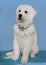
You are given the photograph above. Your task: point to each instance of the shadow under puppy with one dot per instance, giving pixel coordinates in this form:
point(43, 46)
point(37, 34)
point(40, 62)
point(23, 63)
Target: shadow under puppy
point(25, 37)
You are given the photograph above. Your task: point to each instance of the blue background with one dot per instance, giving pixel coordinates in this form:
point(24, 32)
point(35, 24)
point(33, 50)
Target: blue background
point(7, 20)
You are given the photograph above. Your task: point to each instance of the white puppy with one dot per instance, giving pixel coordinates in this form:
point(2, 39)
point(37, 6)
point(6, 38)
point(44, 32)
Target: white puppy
point(25, 38)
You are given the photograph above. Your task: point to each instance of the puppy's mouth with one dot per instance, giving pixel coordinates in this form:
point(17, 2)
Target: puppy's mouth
point(19, 18)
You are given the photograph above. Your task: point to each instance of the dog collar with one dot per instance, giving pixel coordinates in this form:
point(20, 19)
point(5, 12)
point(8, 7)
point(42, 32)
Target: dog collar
point(23, 28)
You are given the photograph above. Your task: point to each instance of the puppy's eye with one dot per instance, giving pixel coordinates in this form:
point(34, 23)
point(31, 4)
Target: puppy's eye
point(19, 10)
point(26, 11)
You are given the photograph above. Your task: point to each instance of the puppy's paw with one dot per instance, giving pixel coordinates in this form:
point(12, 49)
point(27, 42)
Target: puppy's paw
point(7, 57)
point(32, 55)
point(15, 57)
point(24, 61)
point(9, 54)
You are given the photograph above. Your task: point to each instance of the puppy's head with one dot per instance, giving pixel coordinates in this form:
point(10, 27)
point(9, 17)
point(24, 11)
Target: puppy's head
point(25, 14)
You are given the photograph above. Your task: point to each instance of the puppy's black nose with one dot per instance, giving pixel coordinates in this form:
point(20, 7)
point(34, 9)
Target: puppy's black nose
point(20, 15)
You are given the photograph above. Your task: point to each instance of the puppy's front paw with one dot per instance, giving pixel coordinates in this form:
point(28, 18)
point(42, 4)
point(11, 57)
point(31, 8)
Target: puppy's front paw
point(24, 61)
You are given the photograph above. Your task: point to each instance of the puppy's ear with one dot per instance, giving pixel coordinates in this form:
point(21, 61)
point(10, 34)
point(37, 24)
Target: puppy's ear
point(33, 12)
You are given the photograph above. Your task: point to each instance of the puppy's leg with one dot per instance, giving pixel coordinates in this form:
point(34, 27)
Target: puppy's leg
point(34, 51)
point(35, 48)
point(26, 53)
point(16, 50)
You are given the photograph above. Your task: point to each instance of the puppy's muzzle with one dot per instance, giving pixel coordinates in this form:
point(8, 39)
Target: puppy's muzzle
point(20, 16)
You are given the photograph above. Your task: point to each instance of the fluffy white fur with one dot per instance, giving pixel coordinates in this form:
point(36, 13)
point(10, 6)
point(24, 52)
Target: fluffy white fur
point(24, 42)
